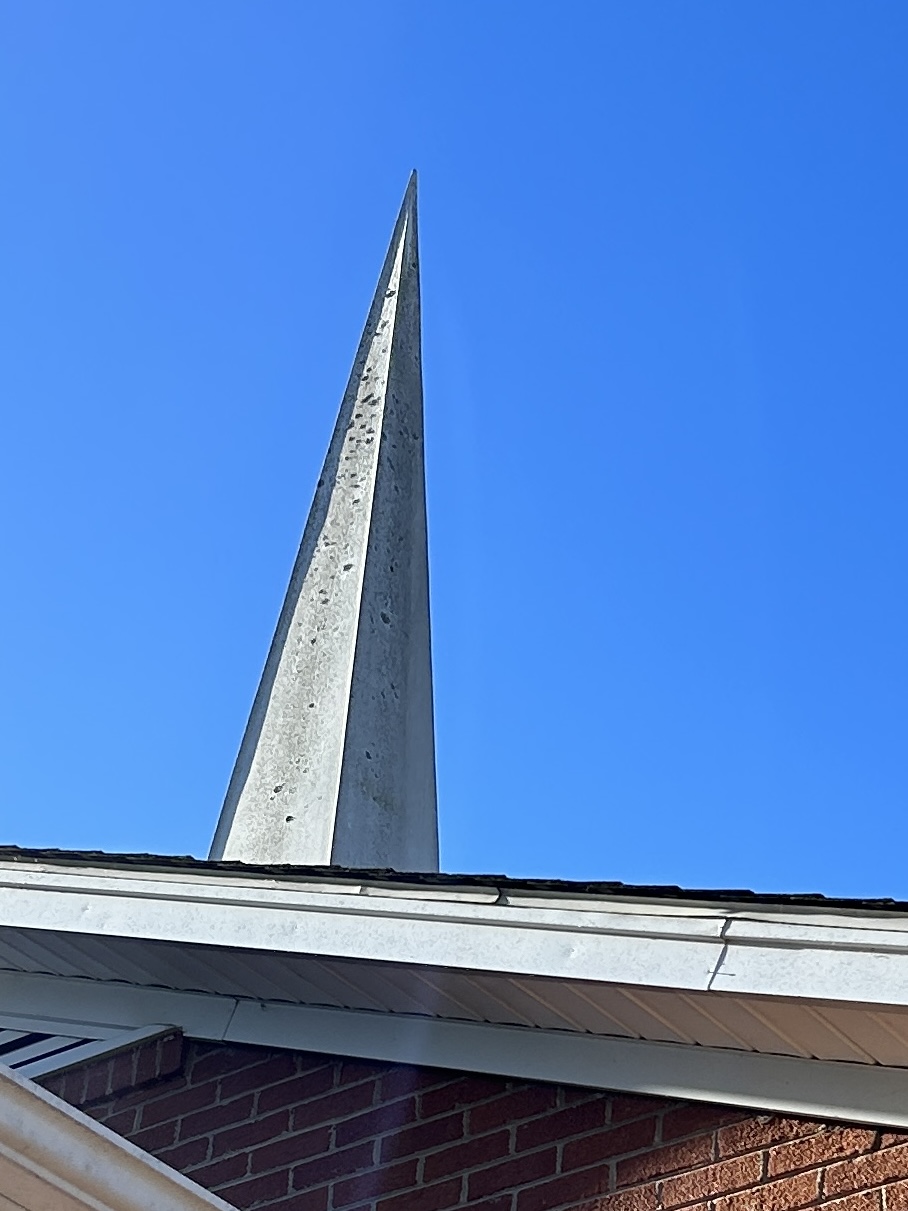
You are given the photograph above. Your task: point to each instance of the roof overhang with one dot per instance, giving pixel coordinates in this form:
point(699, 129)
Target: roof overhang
point(52, 1155)
point(799, 1009)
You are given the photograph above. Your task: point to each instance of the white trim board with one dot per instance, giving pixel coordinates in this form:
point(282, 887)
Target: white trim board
point(92, 1049)
point(51, 1045)
point(863, 1093)
point(52, 1155)
point(862, 959)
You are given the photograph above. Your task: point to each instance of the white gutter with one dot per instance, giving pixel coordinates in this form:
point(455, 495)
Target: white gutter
point(54, 1156)
point(709, 948)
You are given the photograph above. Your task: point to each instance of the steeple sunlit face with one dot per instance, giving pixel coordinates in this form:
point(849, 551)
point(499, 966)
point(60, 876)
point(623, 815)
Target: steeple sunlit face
point(337, 765)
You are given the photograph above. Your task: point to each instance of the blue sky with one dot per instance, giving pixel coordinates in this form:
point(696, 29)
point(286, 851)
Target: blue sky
point(664, 263)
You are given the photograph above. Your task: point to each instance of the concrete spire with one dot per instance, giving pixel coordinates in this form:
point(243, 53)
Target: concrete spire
point(337, 764)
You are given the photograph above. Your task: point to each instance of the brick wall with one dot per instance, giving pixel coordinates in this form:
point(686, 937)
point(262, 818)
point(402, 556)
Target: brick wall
point(305, 1132)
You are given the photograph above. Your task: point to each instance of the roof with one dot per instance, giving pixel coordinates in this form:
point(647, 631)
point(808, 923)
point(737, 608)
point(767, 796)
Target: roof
point(416, 879)
point(789, 1004)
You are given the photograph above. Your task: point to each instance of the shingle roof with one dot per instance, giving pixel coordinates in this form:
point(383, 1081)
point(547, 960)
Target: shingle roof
point(565, 887)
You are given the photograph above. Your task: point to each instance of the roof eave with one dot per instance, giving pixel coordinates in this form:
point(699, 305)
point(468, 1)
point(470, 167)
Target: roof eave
point(675, 954)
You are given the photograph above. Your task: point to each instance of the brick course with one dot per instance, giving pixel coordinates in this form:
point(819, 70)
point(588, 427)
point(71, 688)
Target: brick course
point(287, 1131)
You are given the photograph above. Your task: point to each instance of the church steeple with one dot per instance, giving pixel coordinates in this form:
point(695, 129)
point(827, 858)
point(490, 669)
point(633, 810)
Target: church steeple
point(337, 764)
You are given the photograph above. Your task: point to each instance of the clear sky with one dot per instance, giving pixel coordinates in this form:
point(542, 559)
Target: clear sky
point(664, 264)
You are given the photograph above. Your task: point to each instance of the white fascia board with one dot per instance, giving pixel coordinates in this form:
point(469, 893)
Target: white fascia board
point(861, 1093)
point(28, 1023)
point(472, 936)
point(52, 1155)
point(198, 1015)
point(859, 959)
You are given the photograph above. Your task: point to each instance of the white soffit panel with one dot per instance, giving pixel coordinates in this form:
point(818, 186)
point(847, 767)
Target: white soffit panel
point(821, 1089)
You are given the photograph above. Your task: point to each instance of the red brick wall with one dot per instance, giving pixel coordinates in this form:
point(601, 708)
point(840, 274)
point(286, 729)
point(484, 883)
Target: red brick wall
point(307, 1132)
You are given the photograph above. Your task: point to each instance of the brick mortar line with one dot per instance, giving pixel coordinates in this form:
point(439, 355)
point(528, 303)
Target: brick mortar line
point(343, 1119)
point(337, 1086)
point(420, 1155)
point(390, 1132)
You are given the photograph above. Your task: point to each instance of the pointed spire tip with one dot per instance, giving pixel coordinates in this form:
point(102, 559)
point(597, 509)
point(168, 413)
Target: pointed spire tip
point(408, 205)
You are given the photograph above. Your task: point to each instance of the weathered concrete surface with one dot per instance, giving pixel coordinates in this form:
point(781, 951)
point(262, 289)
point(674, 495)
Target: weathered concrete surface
point(337, 764)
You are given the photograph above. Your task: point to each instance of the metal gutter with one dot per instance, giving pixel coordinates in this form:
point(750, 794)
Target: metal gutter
point(843, 959)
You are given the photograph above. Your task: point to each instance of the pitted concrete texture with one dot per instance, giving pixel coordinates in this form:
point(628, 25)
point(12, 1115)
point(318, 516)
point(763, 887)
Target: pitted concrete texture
point(337, 764)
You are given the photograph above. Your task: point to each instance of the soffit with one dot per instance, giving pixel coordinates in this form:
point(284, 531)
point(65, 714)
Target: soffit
point(812, 1029)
